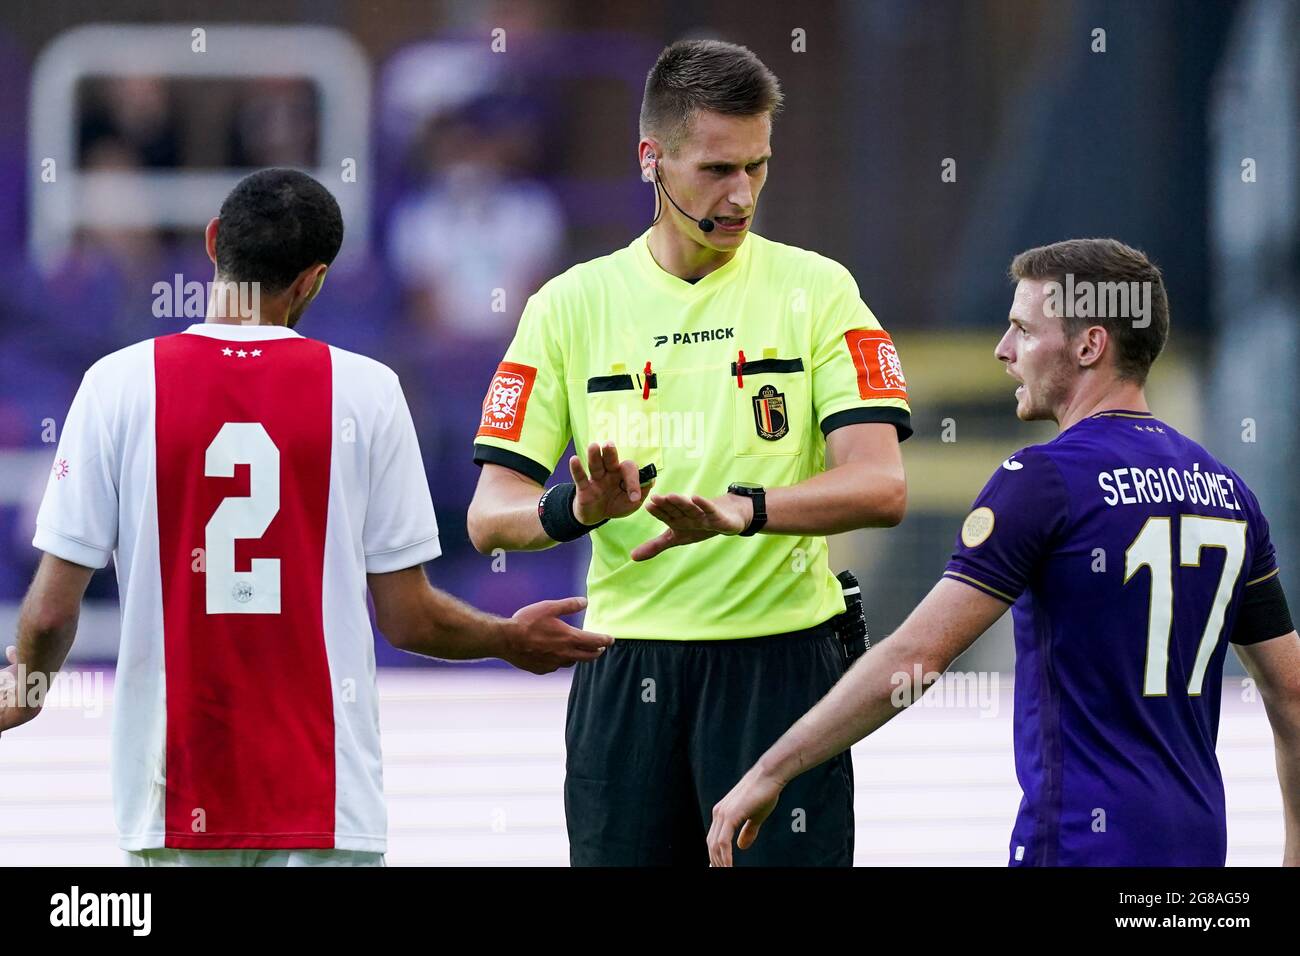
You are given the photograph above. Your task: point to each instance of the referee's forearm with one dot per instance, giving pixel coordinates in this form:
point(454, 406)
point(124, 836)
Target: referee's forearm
point(844, 498)
point(509, 531)
point(497, 523)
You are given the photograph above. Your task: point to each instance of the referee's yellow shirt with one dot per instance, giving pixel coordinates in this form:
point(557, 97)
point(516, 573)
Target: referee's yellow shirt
point(814, 359)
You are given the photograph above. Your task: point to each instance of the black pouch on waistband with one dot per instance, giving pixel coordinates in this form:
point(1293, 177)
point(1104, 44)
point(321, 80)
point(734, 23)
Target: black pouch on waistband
point(851, 626)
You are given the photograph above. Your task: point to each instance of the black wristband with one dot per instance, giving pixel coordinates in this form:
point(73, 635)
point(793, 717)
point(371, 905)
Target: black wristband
point(555, 508)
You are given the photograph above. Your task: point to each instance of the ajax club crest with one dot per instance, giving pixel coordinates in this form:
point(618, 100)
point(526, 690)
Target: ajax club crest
point(769, 413)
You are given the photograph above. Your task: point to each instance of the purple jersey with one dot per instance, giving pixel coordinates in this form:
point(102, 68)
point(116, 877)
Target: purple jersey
point(1124, 549)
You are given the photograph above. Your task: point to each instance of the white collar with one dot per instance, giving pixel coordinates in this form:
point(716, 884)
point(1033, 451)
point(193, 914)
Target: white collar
point(242, 333)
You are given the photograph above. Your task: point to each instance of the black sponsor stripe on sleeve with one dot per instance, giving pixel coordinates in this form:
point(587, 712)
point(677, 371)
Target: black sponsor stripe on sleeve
point(492, 455)
point(900, 418)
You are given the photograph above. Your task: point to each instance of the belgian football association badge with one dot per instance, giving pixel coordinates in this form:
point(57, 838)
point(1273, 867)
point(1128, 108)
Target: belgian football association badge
point(769, 413)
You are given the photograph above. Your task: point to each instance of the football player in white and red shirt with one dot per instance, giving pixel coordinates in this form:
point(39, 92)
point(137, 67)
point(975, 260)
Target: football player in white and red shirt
point(250, 484)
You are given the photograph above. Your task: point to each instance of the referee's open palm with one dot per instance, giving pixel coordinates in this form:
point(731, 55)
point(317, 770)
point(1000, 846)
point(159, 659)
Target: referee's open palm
point(691, 518)
point(608, 488)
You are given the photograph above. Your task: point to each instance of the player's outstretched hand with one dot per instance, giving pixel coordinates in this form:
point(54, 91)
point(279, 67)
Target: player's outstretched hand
point(609, 488)
point(692, 518)
point(749, 803)
point(11, 713)
point(540, 642)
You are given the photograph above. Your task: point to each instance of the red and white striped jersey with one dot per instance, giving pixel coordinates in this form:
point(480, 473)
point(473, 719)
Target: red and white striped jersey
point(245, 479)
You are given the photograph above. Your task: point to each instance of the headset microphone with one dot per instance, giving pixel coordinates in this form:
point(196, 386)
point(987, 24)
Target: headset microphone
point(705, 225)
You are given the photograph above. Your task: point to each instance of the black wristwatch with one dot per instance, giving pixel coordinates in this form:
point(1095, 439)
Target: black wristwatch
point(758, 496)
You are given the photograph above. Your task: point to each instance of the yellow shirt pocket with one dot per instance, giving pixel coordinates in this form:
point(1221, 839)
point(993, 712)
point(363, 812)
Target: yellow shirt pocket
point(623, 410)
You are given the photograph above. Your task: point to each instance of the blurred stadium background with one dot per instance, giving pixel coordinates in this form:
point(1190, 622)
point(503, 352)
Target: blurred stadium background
point(479, 148)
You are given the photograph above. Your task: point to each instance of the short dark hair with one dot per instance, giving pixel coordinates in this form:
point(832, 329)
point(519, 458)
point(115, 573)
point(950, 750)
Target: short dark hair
point(693, 75)
point(274, 224)
point(1105, 261)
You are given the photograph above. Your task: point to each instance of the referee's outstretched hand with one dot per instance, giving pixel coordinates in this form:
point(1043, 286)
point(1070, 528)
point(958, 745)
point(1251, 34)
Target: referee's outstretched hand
point(541, 642)
point(608, 488)
point(749, 803)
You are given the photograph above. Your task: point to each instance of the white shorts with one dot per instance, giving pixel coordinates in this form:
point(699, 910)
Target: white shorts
point(174, 857)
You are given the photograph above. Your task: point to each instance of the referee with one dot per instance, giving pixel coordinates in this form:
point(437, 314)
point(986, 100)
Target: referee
point(770, 403)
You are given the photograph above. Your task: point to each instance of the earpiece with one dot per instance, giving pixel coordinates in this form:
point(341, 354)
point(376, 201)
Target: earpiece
point(704, 225)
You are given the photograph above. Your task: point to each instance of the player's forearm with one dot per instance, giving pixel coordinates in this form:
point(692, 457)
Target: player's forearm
point(44, 639)
point(856, 494)
point(1288, 774)
point(1274, 665)
point(878, 687)
point(449, 629)
point(863, 701)
point(1284, 715)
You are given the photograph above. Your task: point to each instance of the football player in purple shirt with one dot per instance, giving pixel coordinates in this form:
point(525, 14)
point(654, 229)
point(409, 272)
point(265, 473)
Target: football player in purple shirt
point(1127, 553)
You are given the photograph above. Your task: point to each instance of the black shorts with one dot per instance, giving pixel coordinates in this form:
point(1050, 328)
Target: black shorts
point(659, 731)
